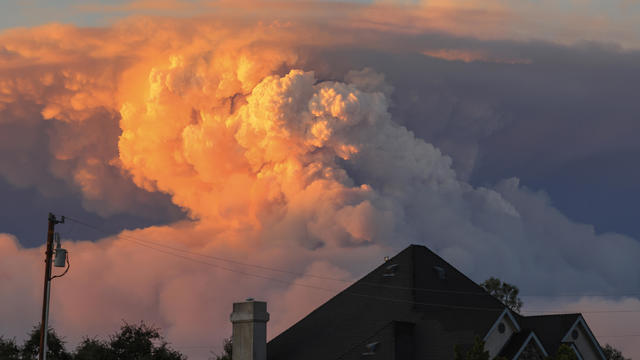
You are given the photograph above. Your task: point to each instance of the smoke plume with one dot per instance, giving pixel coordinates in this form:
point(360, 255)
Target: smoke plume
point(273, 163)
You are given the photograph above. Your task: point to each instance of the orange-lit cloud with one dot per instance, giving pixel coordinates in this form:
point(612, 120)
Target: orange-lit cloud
point(471, 55)
point(274, 166)
point(194, 110)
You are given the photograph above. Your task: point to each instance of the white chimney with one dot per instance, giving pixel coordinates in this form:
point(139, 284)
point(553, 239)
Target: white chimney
point(249, 330)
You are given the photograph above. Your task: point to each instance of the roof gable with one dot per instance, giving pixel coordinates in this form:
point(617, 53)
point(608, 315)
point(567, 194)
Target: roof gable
point(506, 313)
point(518, 342)
point(500, 333)
point(415, 286)
point(580, 322)
point(554, 330)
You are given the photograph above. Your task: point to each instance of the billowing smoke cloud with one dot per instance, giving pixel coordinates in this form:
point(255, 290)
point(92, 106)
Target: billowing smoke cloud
point(274, 167)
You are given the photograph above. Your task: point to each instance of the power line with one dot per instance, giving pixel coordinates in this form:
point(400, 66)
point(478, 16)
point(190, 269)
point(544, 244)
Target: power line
point(618, 336)
point(213, 347)
point(154, 246)
point(262, 267)
point(310, 286)
point(211, 256)
point(230, 269)
point(558, 312)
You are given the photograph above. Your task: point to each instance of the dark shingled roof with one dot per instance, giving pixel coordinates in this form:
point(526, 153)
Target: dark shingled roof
point(550, 329)
point(514, 344)
point(413, 303)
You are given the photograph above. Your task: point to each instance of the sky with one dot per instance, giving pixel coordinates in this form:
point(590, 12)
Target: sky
point(315, 138)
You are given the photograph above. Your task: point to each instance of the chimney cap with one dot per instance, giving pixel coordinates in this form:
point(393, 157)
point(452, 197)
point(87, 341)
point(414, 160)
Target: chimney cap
point(250, 311)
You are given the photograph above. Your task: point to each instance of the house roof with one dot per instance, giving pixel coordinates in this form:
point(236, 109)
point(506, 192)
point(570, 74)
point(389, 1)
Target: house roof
point(550, 329)
point(519, 341)
point(514, 344)
point(416, 286)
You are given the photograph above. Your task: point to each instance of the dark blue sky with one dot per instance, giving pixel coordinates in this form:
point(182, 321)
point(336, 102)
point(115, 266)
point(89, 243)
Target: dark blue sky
point(565, 124)
point(24, 213)
point(546, 92)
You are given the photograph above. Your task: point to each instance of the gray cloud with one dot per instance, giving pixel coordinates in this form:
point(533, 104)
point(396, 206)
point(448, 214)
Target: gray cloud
point(556, 120)
point(420, 149)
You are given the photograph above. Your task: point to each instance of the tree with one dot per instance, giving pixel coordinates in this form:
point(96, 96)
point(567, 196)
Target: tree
point(9, 350)
point(476, 352)
point(505, 292)
point(131, 342)
point(138, 342)
point(93, 349)
point(227, 348)
point(565, 352)
point(611, 353)
point(55, 346)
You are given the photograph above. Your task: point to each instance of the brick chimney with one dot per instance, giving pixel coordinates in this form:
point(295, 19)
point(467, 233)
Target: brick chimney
point(249, 336)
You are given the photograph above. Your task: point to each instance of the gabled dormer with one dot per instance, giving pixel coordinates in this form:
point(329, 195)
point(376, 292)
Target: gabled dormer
point(569, 329)
point(502, 330)
point(581, 339)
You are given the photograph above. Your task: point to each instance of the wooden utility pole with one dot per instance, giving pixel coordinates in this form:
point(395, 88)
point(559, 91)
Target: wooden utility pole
point(47, 286)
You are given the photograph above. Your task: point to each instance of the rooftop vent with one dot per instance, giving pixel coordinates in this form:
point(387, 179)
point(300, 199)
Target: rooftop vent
point(370, 349)
point(390, 270)
point(442, 275)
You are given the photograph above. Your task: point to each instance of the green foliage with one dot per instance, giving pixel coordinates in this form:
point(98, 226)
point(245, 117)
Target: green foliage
point(9, 350)
point(131, 342)
point(505, 292)
point(93, 349)
point(611, 353)
point(565, 352)
point(55, 346)
point(138, 342)
point(228, 351)
point(134, 342)
point(475, 352)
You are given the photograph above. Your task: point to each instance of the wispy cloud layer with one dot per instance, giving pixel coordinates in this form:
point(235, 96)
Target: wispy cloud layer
point(565, 21)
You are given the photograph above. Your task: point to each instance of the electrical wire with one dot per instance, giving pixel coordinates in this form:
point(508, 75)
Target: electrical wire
point(298, 274)
point(618, 336)
point(211, 256)
point(146, 243)
point(158, 247)
point(155, 246)
point(230, 269)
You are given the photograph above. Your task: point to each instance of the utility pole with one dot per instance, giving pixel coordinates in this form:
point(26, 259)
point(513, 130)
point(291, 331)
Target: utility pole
point(47, 286)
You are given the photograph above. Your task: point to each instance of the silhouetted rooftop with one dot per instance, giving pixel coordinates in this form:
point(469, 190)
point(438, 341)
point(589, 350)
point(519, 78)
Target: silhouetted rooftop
point(414, 287)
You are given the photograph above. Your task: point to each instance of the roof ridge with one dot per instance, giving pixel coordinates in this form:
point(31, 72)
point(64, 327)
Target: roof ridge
point(551, 315)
